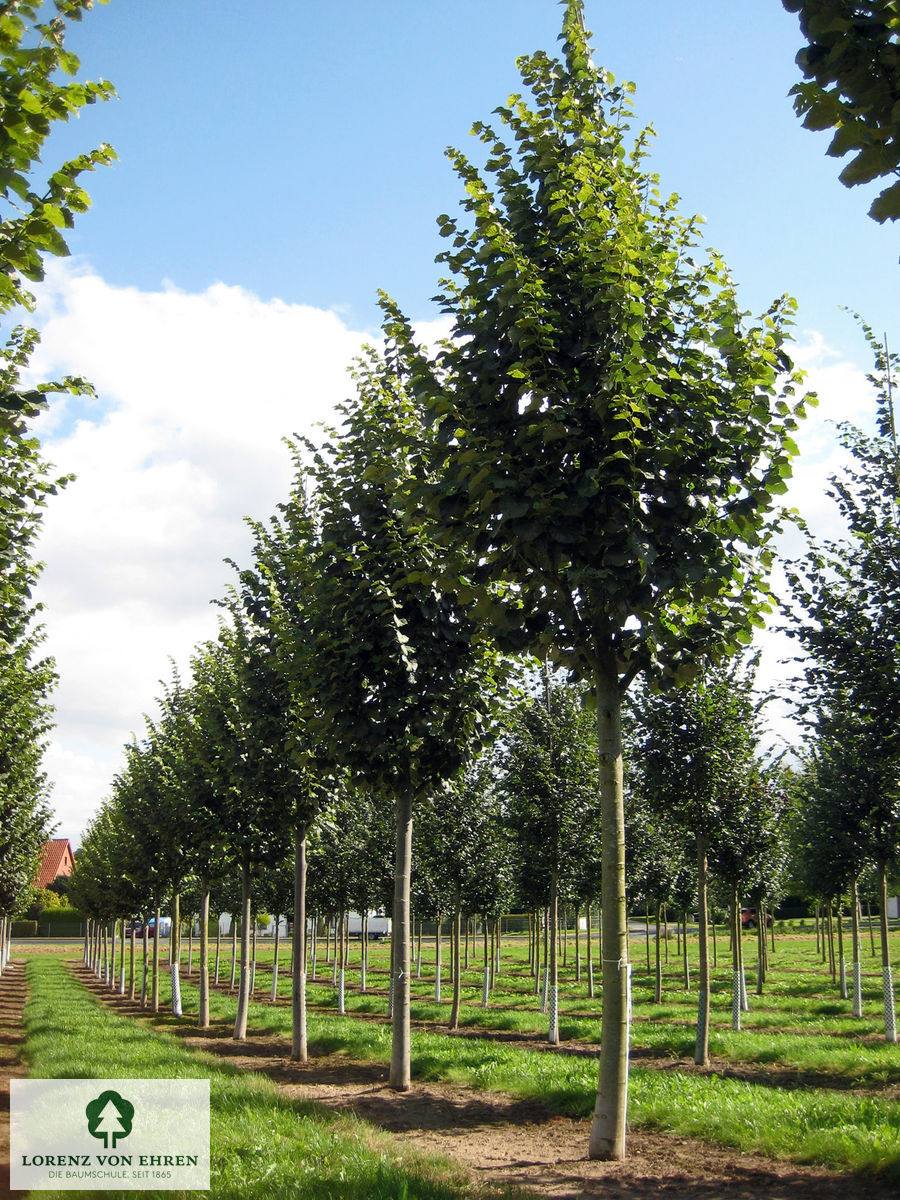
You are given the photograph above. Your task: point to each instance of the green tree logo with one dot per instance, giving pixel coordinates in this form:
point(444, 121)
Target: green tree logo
point(109, 1116)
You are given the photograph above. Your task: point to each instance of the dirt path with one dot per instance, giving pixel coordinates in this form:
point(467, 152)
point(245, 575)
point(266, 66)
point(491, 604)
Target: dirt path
point(506, 1140)
point(12, 1036)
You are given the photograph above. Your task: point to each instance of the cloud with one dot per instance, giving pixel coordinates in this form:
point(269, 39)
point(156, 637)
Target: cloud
point(194, 394)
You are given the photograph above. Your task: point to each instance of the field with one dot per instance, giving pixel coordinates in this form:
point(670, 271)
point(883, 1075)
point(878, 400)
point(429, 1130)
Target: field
point(804, 1101)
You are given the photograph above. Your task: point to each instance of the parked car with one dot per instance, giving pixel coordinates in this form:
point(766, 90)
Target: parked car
point(165, 927)
point(749, 919)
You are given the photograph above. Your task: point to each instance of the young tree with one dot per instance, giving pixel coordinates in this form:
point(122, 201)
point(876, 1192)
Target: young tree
point(390, 678)
point(694, 754)
point(33, 213)
point(611, 435)
point(847, 619)
point(547, 760)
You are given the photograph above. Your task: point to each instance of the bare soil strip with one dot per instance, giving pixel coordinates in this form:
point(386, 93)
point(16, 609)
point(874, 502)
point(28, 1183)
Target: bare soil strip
point(13, 993)
point(505, 1140)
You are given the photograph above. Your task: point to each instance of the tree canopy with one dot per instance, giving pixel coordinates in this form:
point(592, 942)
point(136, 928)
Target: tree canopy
point(851, 67)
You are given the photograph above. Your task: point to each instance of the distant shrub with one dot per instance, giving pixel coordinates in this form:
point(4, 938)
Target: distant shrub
point(24, 929)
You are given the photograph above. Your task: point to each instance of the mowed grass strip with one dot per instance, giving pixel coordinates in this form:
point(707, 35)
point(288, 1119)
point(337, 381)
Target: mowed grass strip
point(836, 1128)
point(262, 1144)
point(831, 1049)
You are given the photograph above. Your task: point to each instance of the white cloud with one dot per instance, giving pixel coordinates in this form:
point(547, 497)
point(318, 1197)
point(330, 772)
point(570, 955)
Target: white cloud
point(195, 393)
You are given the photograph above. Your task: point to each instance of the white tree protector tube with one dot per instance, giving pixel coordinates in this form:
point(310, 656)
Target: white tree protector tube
point(890, 1016)
point(553, 1036)
point(176, 991)
point(857, 989)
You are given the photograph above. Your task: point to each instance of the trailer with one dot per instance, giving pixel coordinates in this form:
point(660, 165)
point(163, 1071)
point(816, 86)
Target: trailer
point(378, 926)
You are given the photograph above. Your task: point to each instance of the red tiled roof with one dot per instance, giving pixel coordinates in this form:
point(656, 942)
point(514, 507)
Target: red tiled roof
point(56, 860)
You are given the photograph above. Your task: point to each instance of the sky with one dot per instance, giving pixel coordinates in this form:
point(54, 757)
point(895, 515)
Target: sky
point(277, 166)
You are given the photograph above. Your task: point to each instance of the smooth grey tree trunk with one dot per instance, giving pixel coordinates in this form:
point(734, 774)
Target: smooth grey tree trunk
point(701, 1051)
point(455, 963)
point(203, 1010)
point(857, 964)
point(299, 1050)
point(607, 1139)
point(887, 979)
point(154, 1004)
point(400, 960)
point(243, 1002)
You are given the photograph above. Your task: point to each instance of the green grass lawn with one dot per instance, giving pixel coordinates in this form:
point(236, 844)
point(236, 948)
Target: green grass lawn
point(802, 1080)
point(261, 1143)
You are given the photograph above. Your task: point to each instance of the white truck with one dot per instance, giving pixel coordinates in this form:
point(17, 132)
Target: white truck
point(378, 926)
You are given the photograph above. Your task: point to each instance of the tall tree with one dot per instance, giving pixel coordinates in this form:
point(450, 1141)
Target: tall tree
point(391, 679)
point(34, 211)
point(611, 435)
point(694, 753)
point(847, 618)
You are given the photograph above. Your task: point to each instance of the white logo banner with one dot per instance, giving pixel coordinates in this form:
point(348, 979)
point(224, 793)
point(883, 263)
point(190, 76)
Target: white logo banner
point(109, 1133)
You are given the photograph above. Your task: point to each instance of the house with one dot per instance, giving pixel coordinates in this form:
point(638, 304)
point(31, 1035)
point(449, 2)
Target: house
point(56, 859)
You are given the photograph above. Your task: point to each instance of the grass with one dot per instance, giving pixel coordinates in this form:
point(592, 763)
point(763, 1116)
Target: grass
point(798, 1056)
point(835, 1128)
point(800, 1107)
point(261, 1143)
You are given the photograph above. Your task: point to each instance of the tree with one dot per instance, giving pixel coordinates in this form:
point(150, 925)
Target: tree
point(391, 681)
point(547, 763)
point(611, 435)
point(846, 617)
point(694, 757)
point(33, 212)
point(852, 71)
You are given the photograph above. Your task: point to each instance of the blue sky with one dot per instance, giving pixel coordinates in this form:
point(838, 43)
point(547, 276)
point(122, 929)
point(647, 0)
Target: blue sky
point(279, 164)
point(298, 150)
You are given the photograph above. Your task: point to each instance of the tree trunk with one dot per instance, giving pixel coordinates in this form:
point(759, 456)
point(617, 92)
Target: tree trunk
point(122, 958)
point(400, 1051)
point(486, 978)
point(131, 950)
point(657, 991)
point(553, 990)
point(842, 964)
point(274, 994)
point(234, 953)
point(577, 944)
point(736, 962)
point(154, 1004)
point(590, 954)
point(203, 1011)
point(457, 982)
point(145, 965)
point(243, 1002)
point(299, 1050)
point(829, 925)
point(857, 964)
point(437, 957)
point(610, 1111)
point(701, 1051)
point(887, 979)
point(686, 963)
point(175, 955)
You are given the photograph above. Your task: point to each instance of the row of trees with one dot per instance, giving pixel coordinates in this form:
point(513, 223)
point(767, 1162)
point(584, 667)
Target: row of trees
point(35, 210)
point(587, 470)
